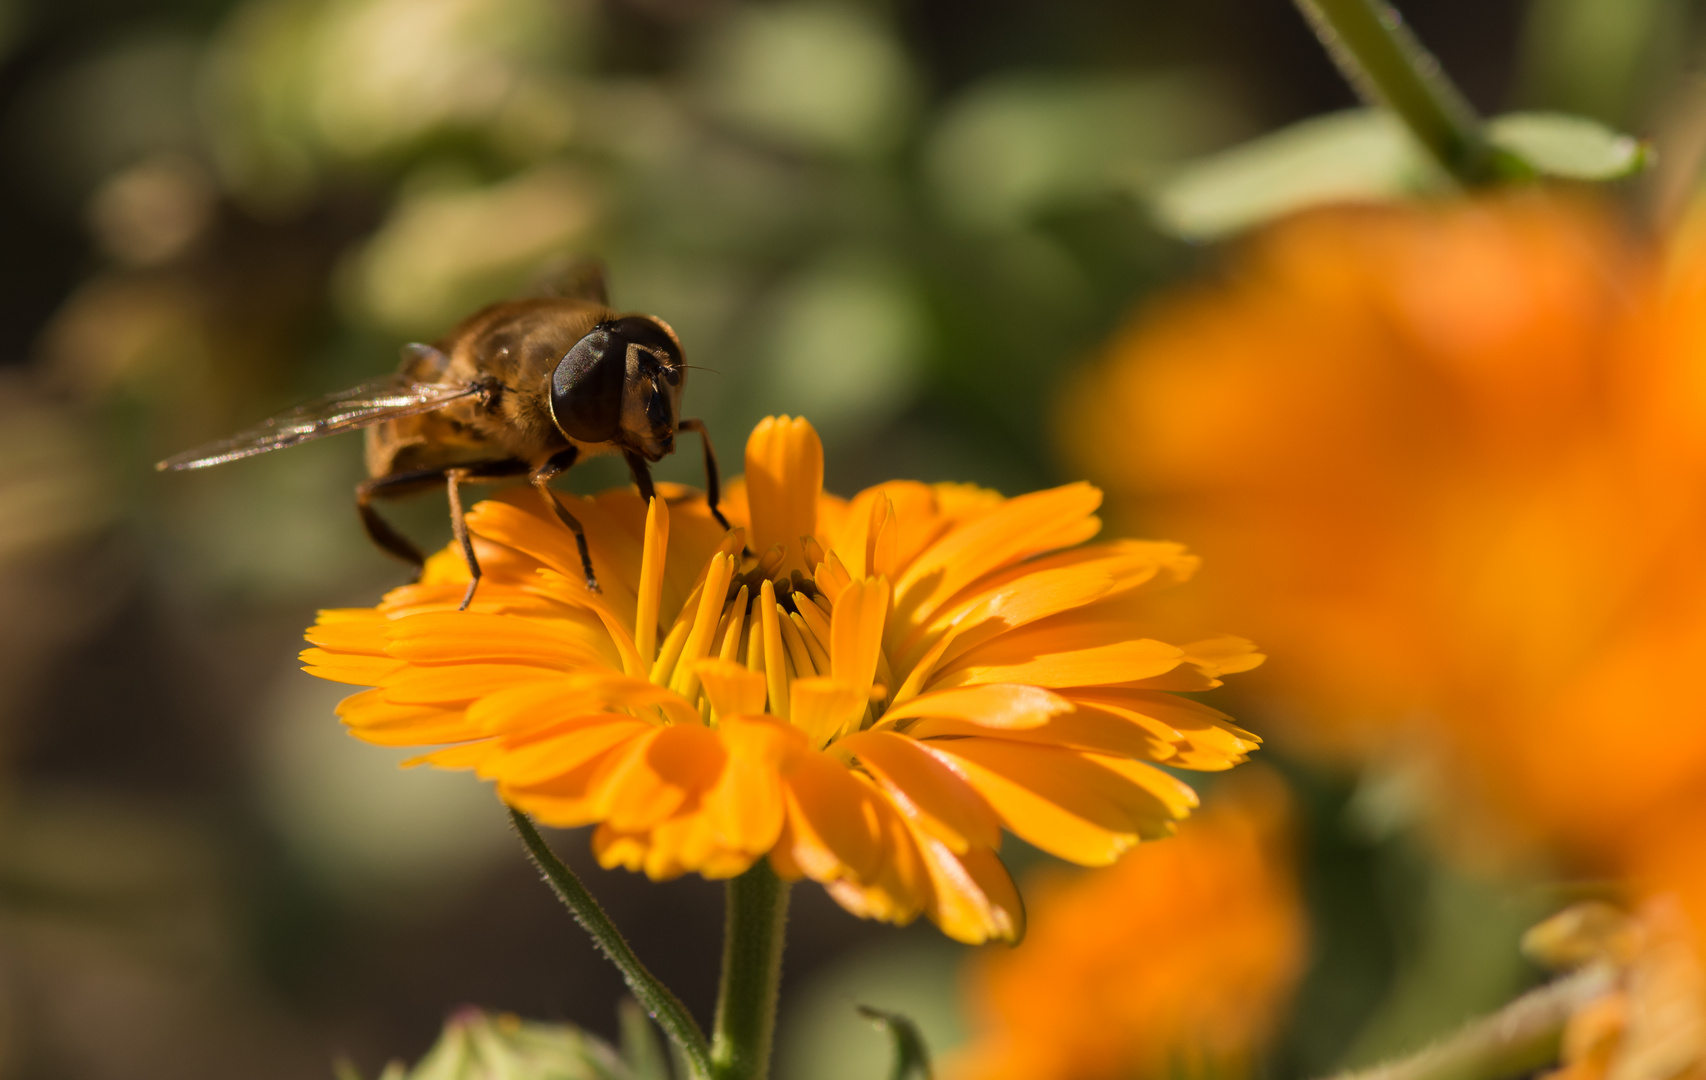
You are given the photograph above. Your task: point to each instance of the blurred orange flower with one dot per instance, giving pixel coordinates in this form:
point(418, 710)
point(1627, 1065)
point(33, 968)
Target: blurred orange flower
point(1649, 1022)
point(1450, 462)
point(868, 702)
point(1175, 963)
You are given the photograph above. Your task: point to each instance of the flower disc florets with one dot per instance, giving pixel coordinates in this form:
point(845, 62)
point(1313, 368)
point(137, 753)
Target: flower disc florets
point(864, 691)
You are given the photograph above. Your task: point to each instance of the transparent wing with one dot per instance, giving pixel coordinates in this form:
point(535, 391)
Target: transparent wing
point(385, 398)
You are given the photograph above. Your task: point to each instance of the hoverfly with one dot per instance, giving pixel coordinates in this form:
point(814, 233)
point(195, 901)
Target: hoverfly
point(519, 388)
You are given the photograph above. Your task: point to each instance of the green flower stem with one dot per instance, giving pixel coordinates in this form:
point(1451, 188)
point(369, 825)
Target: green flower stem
point(656, 998)
point(757, 915)
point(1388, 66)
point(1515, 1041)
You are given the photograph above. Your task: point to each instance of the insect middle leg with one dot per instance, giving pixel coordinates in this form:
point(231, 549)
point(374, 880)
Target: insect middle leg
point(453, 479)
point(713, 482)
point(541, 478)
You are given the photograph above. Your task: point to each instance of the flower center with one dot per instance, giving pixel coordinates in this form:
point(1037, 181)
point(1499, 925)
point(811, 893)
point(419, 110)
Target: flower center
point(773, 637)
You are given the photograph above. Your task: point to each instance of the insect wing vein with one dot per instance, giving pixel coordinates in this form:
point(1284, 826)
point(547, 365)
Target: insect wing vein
point(386, 398)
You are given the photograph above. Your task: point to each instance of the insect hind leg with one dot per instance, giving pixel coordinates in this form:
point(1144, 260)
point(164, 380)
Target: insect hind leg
point(384, 537)
point(414, 481)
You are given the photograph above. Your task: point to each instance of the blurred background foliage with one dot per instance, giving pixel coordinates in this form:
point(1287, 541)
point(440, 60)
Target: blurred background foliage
point(907, 221)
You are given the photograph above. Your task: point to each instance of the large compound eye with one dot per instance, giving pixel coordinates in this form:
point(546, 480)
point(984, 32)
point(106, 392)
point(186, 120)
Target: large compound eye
point(587, 389)
point(652, 339)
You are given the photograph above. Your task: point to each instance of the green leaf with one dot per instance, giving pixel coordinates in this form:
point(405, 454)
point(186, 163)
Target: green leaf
point(1356, 154)
point(642, 1051)
point(1015, 146)
point(911, 1056)
point(1568, 147)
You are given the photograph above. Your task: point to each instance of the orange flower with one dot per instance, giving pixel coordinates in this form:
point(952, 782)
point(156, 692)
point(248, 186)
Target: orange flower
point(1450, 456)
point(1649, 1023)
point(868, 701)
point(1173, 964)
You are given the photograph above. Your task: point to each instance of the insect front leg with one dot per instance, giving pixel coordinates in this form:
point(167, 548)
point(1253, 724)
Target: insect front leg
point(642, 474)
point(541, 479)
point(713, 481)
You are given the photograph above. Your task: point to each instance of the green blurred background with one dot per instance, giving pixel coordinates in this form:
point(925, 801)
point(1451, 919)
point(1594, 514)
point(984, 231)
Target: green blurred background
point(907, 221)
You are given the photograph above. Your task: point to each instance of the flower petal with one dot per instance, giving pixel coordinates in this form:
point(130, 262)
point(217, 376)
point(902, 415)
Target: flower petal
point(733, 688)
point(1052, 660)
point(1223, 655)
point(373, 719)
point(458, 684)
point(1173, 793)
point(354, 668)
point(1086, 729)
point(349, 630)
point(973, 898)
point(822, 707)
point(916, 516)
point(657, 774)
point(462, 756)
point(900, 886)
point(833, 822)
point(747, 806)
point(522, 709)
point(1018, 529)
point(650, 593)
point(564, 798)
point(1068, 803)
point(1190, 725)
point(927, 789)
point(784, 477)
point(438, 637)
point(700, 639)
point(1002, 706)
point(1039, 588)
point(548, 755)
point(856, 632)
point(547, 541)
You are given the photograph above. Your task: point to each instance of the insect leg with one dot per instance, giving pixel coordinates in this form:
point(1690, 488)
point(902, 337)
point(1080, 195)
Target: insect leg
point(414, 481)
point(453, 479)
point(713, 481)
point(642, 474)
point(541, 479)
point(386, 538)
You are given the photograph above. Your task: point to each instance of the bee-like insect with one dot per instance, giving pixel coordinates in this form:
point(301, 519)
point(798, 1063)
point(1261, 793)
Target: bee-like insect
point(519, 388)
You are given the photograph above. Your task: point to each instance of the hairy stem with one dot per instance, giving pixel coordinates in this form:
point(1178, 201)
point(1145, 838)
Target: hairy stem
point(757, 916)
point(1518, 1039)
point(1367, 39)
point(656, 998)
